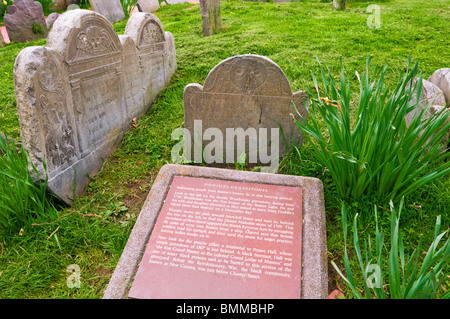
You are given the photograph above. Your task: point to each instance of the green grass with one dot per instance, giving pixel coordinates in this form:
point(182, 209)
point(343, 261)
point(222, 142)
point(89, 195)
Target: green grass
point(93, 232)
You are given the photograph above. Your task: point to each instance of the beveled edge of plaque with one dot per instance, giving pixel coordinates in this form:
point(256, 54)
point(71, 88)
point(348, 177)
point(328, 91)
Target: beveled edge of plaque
point(314, 241)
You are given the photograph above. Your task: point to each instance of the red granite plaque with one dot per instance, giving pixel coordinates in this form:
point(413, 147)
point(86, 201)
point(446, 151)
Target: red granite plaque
point(223, 239)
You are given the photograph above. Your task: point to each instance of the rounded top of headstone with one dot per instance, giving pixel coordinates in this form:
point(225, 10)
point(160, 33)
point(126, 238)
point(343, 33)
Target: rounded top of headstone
point(82, 34)
point(248, 74)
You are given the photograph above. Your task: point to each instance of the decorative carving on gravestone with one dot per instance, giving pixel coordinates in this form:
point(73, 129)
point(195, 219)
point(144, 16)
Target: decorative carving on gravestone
point(210, 11)
point(25, 21)
point(110, 9)
point(156, 51)
point(246, 91)
point(77, 97)
point(147, 5)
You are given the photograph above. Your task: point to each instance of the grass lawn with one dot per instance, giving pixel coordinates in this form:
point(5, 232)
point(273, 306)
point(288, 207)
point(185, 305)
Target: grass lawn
point(93, 232)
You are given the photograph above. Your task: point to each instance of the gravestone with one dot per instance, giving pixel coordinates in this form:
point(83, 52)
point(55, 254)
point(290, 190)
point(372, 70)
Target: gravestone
point(431, 93)
point(25, 21)
point(247, 92)
point(78, 96)
point(210, 12)
point(110, 9)
point(207, 233)
point(147, 5)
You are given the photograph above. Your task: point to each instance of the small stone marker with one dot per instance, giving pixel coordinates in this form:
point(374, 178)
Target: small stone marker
point(25, 21)
point(147, 5)
point(210, 11)
point(247, 92)
point(77, 96)
point(110, 9)
point(211, 233)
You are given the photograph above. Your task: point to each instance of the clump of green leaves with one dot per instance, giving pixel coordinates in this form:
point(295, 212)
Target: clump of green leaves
point(20, 198)
point(406, 277)
point(376, 154)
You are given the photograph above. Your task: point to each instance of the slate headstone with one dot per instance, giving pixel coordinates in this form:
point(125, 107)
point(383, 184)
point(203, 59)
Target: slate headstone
point(210, 233)
point(156, 51)
point(110, 9)
point(2, 41)
point(77, 96)
point(210, 12)
point(248, 92)
point(25, 21)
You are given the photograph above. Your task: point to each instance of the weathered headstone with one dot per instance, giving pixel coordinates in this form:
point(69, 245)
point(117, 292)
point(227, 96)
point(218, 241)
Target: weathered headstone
point(209, 233)
point(210, 12)
point(147, 5)
point(248, 92)
point(110, 9)
point(2, 41)
point(339, 4)
point(441, 78)
point(25, 21)
point(77, 96)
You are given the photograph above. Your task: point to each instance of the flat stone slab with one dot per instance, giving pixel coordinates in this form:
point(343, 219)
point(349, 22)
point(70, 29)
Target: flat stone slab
point(110, 9)
point(210, 233)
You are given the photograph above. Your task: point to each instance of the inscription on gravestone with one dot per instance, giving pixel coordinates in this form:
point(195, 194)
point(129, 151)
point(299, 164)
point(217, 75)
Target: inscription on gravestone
point(243, 239)
point(77, 96)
